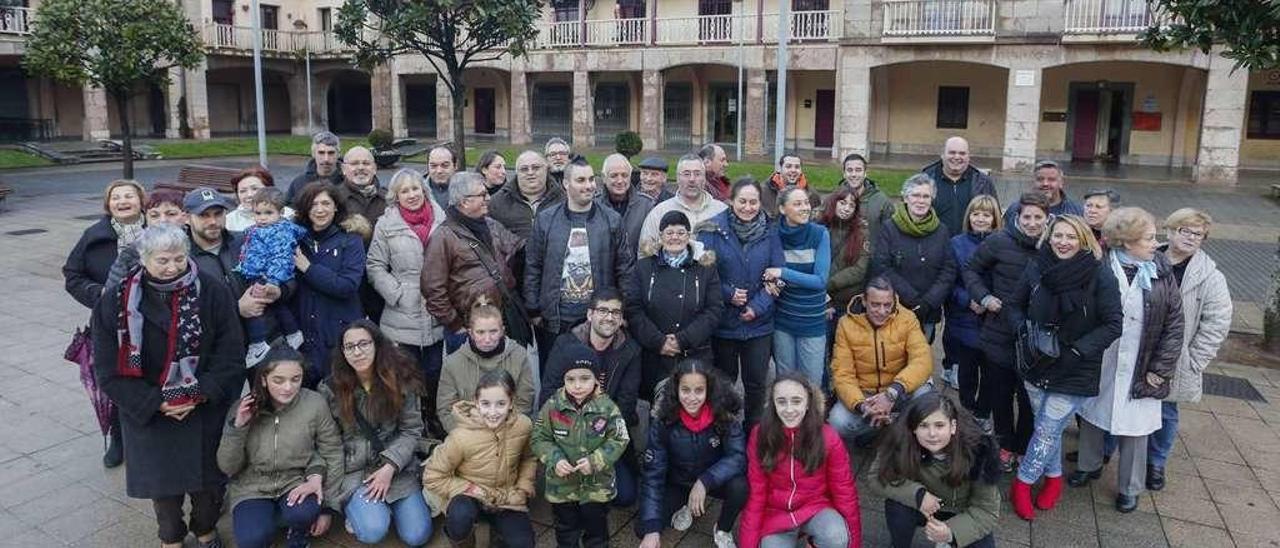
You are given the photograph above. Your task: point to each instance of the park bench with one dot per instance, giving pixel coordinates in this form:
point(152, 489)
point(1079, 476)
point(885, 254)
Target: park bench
point(1275, 191)
point(4, 192)
point(195, 176)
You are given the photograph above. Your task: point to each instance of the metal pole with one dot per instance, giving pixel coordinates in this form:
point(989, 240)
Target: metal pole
point(742, 29)
point(311, 125)
point(257, 83)
point(780, 107)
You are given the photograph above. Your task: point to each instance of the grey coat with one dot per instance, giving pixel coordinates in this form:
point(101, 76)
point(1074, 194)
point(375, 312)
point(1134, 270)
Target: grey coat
point(1206, 312)
point(399, 437)
point(638, 207)
point(394, 267)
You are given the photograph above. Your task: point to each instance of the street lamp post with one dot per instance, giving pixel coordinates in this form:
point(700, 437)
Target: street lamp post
point(257, 83)
point(780, 107)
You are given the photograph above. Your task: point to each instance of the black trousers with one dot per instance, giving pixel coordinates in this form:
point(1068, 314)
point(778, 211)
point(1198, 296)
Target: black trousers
point(514, 528)
point(430, 361)
point(999, 391)
point(206, 506)
point(733, 496)
point(751, 356)
point(904, 520)
point(586, 522)
point(968, 361)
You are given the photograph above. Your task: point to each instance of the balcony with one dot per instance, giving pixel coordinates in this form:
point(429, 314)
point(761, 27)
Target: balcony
point(15, 20)
point(239, 40)
point(1119, 19)
point(806, 26)
point(912, 19)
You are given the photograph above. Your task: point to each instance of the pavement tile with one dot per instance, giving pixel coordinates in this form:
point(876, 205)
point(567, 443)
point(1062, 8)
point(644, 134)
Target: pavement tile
point(1185, 534)
point(29, 538)
point(1225, 472)
point(1229, 494)
point(84, 520)
point(1221, 405)
point(1197, 510)
point(1061, 534)
point(1252, 541)
point(29, 488)
point(54, 504)
point(1183, 486)
point(130, 531)
point(1252, 520)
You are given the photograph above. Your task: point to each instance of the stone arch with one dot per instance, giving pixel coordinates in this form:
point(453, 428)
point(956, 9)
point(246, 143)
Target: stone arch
point(232, 101)
point(348, 101)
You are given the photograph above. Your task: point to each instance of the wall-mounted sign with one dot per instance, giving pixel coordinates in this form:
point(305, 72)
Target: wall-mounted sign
point(1149, 103)
point(1146, 121)
point(1024, 78)
point(1053, 116)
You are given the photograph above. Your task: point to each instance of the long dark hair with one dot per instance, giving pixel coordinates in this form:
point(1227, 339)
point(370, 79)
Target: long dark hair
point(971, 453)
point(394, 374)
point(721, 398)
point(809, 447)
point(306, 199)
point(280, 353)
point(853, 237)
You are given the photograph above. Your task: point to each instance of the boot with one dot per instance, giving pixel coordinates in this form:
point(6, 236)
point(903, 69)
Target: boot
point(1020, 497)
point(1049, 494)
point(468, 542)
point(114, 455)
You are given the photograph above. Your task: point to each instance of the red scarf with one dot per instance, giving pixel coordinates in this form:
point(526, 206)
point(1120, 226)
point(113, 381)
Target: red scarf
point(419, 221)
point(699, 423)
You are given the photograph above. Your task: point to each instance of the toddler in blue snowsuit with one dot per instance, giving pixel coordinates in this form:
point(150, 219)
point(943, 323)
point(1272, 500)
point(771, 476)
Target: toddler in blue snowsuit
point(267, 258)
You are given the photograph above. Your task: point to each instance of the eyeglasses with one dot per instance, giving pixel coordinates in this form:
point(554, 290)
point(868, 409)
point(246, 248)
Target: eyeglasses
point(693, 174)
point(1188, 233)
point(484, 195)
point(678, 233)
point(362, 346)
point(615, 312)
point(531, 169)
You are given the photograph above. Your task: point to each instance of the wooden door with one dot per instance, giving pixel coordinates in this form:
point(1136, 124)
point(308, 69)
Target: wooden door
point(1085, 133)
point(485, 106)
point(824, 118)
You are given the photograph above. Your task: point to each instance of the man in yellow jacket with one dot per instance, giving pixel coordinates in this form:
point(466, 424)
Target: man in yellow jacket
point(880, 360)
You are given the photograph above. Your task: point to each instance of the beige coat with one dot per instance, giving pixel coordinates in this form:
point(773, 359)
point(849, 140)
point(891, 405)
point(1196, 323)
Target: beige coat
point(462, 371)
point(394, 268)
point(499, 462)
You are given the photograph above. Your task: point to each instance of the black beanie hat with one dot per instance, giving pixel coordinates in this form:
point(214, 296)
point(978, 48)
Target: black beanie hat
point(576, 356)
point(674, 218)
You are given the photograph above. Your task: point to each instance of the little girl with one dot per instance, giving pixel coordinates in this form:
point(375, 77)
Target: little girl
point(939, 471)
point(485, 467)
point(266, 258)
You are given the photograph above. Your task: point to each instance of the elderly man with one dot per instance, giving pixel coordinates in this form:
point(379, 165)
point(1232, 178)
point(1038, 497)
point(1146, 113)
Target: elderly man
point(880, 360)
point(958, 182)
point(517, 202)
point(558, 158)
point(715, 161)
point(359, 191)
point(691, 198)
point(1049, 181)
point(1098, 205)
point(323, 165)
point(653, 179)
point(441, 165)
point(623, 197)
point(790, 174)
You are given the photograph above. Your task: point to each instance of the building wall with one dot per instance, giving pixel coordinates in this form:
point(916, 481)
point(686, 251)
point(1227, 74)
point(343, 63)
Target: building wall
point(306, 11)
point(232, 101)
point(1260, 152)
point(804, 86)
point(501, 83)
point(904, 113)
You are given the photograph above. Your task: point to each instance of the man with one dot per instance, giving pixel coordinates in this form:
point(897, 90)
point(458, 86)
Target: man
point(518, 201)
point(1098, 205)
point(558, 159)
point(441, 165)
point(653, 179)
point(880, 361)
point(691, 197)
point(360, 195)
point(576, 248)
point(714, 161)
point(323, 165)
point(1049, 182)
point(957, 182)
point(624, 198)
point(790, 174)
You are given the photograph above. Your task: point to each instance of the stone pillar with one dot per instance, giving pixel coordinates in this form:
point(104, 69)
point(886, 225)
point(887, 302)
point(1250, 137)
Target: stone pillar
point(1224, 110)
point(298, 119)
point(172, 97)
point(399, 124)
point(444, 110)
point(651, 123)
point(519, 109)
point(96, 124)
point(380, 83)
point(853, 106)
point(1021, 119)
point(756, 112)
point(198, 102)
point(584, 111)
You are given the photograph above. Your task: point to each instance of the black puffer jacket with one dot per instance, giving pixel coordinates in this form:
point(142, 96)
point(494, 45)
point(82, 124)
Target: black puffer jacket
point(1162, 332)
point(684, 301)
point(994, 270)
point(922, 270)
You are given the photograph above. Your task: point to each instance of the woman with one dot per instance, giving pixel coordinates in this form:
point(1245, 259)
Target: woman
point(800, 339)
point(89, 263)
point(1206, 313)
point(745, 243)
point(680, 301)
point(330, 261)
point(961, 349)
point(1137, 369)
point(873, 205)
point(913, 250)
point(282, 454)
point(850, 251)
point(246, 184)
point(696, 448)
point(394, 267)
point(373, 393)
point(1063, 285)
point(487, 348)
point(991, 277)
point(169, 351)
point(799, 475)
point(494, 169)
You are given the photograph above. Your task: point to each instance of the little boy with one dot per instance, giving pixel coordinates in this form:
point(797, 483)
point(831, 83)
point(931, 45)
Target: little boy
point(267, 258)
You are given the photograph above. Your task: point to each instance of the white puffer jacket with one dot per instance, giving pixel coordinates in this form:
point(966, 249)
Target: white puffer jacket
point(394, 267)
point(1206, 309)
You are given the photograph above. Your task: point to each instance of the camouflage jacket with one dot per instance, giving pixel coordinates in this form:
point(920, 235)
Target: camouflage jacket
point(596, 431)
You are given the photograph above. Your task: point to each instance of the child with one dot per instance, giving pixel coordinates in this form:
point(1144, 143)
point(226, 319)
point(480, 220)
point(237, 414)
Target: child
point(579, 435)
point(799, 473)
point(267, 258)
point(940, 472)
point(461, 475)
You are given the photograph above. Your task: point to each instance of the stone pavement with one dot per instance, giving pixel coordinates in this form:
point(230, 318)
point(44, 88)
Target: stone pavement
point(1224, 479)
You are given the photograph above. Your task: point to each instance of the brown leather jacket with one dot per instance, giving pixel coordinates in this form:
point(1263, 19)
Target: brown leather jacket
point(459, 268)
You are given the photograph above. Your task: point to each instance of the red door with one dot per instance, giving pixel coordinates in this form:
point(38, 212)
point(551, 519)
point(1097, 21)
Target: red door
point(1084, 136)
point(485, 106)
point(824, 118)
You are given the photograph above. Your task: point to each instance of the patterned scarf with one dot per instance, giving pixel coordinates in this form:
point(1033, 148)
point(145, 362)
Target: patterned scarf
point(1146, 269)
point(178, 383)
point(748, 231)
point(126, 234)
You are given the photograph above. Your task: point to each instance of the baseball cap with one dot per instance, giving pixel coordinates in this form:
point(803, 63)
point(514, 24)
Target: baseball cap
point(202, 198)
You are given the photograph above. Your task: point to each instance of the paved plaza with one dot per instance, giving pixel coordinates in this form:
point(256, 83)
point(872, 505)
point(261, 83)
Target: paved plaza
point(1223, 480)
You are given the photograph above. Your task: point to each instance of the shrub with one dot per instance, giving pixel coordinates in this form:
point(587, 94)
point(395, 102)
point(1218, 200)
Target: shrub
point(628, 143)
point(380, 139)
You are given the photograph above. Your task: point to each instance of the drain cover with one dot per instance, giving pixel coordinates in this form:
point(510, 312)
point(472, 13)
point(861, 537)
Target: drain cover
point(1231, 387)
point(26, 231)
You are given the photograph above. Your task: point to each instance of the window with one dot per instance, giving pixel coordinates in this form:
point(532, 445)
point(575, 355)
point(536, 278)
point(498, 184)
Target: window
point(953, 107)
point(223, 12)
point(631, 9)
point(270, 17)
point(1264, 115)
point(326, 19)
point(810, 5)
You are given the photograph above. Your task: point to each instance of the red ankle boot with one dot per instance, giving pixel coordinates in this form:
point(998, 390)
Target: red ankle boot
point(1020, 497)
point(1049, 494)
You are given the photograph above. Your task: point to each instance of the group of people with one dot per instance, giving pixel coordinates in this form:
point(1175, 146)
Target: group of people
point(416, 351)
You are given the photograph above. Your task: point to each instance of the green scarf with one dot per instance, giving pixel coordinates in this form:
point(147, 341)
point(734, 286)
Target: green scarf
point(910, 226)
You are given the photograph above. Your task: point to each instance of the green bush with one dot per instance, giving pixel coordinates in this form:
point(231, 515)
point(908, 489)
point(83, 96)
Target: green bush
point(628, 143)
point(380, 139)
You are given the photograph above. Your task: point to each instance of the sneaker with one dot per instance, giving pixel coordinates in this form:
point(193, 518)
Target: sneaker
point(256, 352)
point(1007, 460)
point(216, 542)
point(724, 539)
point(682, 519)
point(951, 378)
point(294, 339)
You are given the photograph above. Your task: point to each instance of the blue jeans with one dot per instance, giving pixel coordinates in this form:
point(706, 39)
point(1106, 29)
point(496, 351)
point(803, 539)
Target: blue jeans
point(370, 521)
point(253, 521)
point(1044, 453)
point(1161, 441)
point(624, 483)
point(803, 353)
point(826, 529)
point(854, 429)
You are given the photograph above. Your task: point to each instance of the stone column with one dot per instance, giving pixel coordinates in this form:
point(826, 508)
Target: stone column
point(198, 102)
point(1021, 119)
point(444, 110)
point(651, 84)
point(519, 109)
point(96, 120)
point(756, 112)
point(399, 124)
point(1224, 110)
point(298, 119)
point(853, 106)
point(380, 83)
point(584, 111)
point(172, 98)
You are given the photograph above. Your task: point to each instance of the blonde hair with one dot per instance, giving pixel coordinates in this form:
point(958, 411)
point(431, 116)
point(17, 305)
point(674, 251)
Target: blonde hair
point(1188, 216)
point(142, 193)
point(1126, 225)
point(1083, 232)
point(988, 203)
point(404, 177)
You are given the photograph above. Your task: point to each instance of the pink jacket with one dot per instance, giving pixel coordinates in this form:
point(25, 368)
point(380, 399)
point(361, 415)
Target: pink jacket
point(787, 497)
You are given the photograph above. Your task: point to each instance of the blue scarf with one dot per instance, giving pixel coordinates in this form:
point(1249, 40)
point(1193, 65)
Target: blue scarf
point(674, 261)
point(1146, 269)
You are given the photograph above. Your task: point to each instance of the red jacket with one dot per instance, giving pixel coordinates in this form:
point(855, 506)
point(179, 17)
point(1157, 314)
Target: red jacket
point(787, 497)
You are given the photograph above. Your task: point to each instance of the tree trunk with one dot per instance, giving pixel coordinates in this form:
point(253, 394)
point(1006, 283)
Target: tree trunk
point(122, 107)
point(1271, 317)
point(459, 125)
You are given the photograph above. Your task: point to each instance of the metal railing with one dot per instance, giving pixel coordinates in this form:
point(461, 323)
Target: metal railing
point(686, 30)
point(220, 36)
point(939, 17)
point(1109, 16)
point(618, 32)
point(15, 20)
point(805, 26)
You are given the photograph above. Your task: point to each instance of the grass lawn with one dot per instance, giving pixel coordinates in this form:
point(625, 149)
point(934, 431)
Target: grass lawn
point(10, 159)
point(294, 145)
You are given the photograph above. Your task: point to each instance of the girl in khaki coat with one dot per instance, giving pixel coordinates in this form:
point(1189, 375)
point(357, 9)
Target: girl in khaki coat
point(485, 468)
point(487, 348)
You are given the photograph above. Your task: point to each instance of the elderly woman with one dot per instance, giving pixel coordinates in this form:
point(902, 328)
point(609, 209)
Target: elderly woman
point(800, 336)
point(88, 267)
point(330, 259)
point(247, 183)
point(1206, 313)
point(913, 250)
point(493, 167)
point(1137, 369)
point(1098, 204)
point(394, 267)
point(168, 350)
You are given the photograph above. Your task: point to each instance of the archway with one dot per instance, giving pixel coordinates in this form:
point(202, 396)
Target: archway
point(350, 103)
point(233, 104)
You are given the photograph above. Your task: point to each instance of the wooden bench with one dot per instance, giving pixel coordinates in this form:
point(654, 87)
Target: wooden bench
point(194, 176)
point(4, 192)
point(1275, 191)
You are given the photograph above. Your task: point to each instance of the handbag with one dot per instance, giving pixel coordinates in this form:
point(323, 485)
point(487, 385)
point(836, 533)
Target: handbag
point(1036, 346)
point(514, 317)
point(80, 350)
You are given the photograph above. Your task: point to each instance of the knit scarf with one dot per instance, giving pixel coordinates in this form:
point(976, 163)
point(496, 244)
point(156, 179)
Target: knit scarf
point(478, 227)
point(697, 423)
point(749, 231)
point(1146, 269)
point(502, 345)
point(674, 261)
point(178, 382)
point(367, 190)
point(126, 234)
point(419, 221)
point(912, 227)
point(1066, 279)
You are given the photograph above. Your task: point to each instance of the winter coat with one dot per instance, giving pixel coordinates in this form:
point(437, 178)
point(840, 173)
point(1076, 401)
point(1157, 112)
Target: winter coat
point(874, 207)
point(509, 207)
point(612, 262)
point(241, 218)
point(1065, 206)
point(327, 299)
point(308, 176)
point(620, 365)
point(953, 197)
point(595, 431)
point(677, 456)
point(1206, 313)
point(279, 449)
point(1162, 332)
point(460, 268)
point(703, 211)
point(462, 371)
point(370, 207)
point(742, 266)
point(684, 301)
point(866, 360)
point(638, 207)
point(786, 497)
point(847, 279)
point(169, 457)
point(399, 437)
point(267, 252)
point(994, 271)
point(394, 266)
point(922, 270)
point(222, 263)
point(498, 461)
point(963, 326)
point(974, 504)
point(87, 266)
